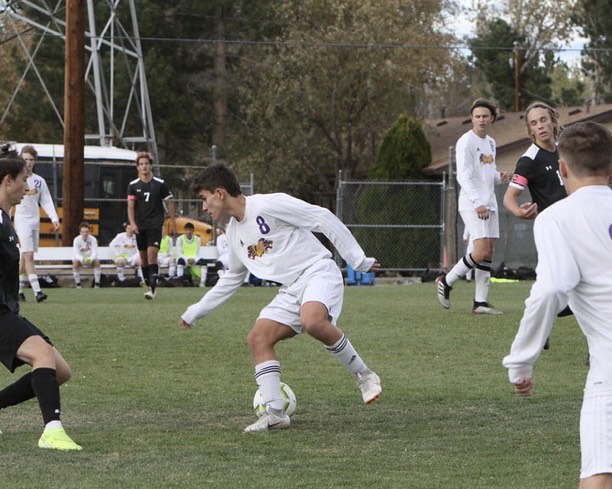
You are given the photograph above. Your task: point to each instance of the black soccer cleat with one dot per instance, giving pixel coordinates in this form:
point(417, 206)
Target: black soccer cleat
point(41, 296)
point(443, 290)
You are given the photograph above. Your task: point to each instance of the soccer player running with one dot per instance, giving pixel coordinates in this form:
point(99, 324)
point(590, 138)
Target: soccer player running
point(27, 223)
point(538, 169)
point(574, 243)
point(20, 341)
point(146, 197)
point(477, 175)
point(271, 236)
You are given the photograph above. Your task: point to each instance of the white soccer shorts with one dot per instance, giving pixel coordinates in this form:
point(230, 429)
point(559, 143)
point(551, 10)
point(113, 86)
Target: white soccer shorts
point(596, 436)
point(481, 228)
point(322, 282)
point(29, 234)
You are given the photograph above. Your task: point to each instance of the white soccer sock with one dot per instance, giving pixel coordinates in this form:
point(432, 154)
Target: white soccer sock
point(180, 270)
point(267, 376)
point(33, 279)
point(97, 274)
point(460, 269)
point(77, 277)
point(482, 277)
point(23, 278)
point(172, 270)
point(345, 353)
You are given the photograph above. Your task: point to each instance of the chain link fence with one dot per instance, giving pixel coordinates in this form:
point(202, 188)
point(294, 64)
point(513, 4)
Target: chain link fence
point(400, 223)
point(414, 227)
point(515, 247)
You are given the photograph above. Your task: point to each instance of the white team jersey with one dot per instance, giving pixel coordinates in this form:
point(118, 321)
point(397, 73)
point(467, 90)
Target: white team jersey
point(122, 243)
point(37, 195)
point(274, 241)
point(476, 172)
point(82, 249)
point(574, 242)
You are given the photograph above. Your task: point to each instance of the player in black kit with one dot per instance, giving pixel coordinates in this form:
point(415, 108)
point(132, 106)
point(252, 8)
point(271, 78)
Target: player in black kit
point(20, 341)
point(538, 168)
point(146, 197)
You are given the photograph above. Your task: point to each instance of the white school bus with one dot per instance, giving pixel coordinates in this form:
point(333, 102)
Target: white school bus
point(107, 173)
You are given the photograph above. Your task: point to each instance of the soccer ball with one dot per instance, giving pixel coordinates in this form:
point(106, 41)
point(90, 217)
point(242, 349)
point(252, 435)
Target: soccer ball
point(289, 405)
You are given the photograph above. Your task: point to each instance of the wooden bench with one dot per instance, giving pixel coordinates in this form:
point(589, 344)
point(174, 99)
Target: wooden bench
point(58, 259)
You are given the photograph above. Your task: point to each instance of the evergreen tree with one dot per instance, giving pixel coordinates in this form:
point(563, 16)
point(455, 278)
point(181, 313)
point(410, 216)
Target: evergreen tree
point(403, 153)
point(493, 52)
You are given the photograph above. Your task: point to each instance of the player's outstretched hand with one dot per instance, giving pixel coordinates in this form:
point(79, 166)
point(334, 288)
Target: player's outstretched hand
point(523, 387)
point(375, 267)
point(528, 210)
point(184, 325)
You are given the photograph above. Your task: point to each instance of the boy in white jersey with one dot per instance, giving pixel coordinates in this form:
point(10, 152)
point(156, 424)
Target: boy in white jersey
point(477, 175)
point(27, 223)
point(85, 254)
point(272, 237)
point(574, 242)
point(126, 253)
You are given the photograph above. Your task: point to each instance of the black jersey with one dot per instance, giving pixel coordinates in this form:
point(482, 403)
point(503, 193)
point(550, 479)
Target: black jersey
point(9, 264)
point(148, 200)
point(538, 170)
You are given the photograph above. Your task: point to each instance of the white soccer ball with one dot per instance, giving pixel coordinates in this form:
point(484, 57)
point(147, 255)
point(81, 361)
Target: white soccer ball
point(289, 405)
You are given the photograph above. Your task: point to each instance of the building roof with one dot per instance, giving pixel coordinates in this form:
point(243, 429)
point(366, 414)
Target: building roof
point(509, 132)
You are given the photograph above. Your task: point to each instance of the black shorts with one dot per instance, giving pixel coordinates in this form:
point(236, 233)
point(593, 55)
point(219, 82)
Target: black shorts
point(14, 330)
point(148, 237)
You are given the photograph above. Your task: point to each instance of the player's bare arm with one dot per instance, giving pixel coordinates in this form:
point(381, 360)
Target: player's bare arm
point(526, 210)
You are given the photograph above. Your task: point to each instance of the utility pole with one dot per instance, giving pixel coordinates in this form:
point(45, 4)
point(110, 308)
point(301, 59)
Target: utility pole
point(220, 68)
point(517, 78)
point(74, 121)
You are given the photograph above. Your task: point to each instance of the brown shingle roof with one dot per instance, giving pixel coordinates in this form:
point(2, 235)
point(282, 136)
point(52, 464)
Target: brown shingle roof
point(509, 132)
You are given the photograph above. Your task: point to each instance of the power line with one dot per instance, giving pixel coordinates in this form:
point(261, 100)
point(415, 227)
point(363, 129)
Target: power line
point(347, 45)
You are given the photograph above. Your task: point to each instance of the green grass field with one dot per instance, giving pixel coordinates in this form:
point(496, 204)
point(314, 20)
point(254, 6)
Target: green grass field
point(155, 406)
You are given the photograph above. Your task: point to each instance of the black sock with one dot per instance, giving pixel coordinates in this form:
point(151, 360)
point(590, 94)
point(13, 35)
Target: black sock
point(46, 388)
point(145, 274)
point(153, 271)
point(17, 392)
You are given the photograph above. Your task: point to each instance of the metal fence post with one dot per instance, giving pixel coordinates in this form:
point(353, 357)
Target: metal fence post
point(339, 212)
point(449, 257)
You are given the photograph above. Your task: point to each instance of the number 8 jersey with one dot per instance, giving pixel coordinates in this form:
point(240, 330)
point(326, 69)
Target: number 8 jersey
point(275, 239)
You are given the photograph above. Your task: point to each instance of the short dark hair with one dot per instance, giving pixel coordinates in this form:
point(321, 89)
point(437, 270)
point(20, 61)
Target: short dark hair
point(587, 149)
point(481, 102)
point(84, 224)
point(144, 154)
point(214, 177)
point(10, 162)
point(29, 149)
point(188, 225)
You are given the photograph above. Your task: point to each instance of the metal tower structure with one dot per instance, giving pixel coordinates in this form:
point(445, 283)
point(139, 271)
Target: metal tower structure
point(113, 48)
